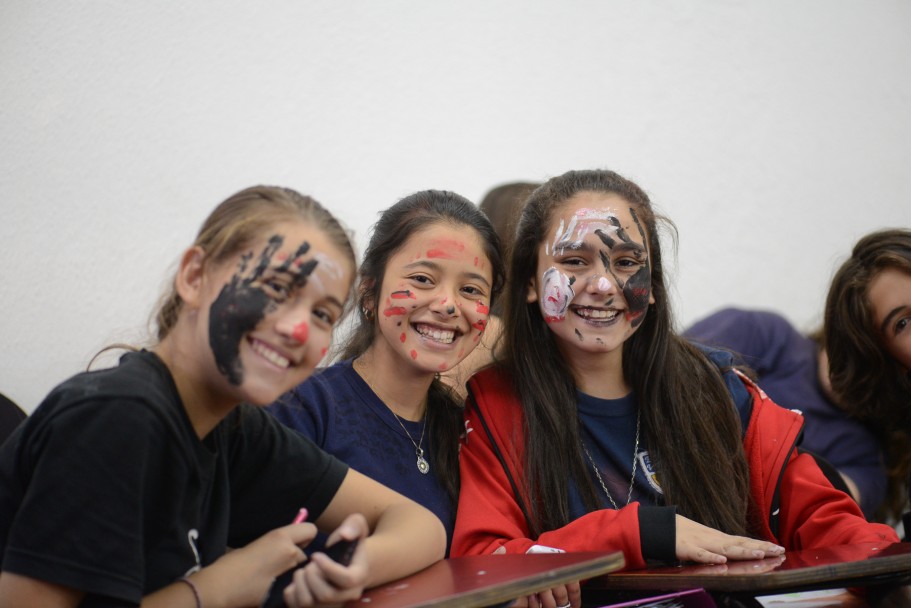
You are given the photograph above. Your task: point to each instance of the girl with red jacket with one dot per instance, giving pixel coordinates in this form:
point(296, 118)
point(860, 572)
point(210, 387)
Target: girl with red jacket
point(603, 429)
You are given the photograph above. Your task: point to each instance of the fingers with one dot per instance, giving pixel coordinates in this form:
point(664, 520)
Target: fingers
point(705, 545)
point(311, 585)
point(300, 534)
point(297, 594)
point(352, 527)
point(574, 594)
point(741, 548)
point(322, 580)
point(559, 596)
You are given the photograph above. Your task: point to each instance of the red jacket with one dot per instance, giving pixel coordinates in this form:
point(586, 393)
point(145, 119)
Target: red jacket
point(489, 519)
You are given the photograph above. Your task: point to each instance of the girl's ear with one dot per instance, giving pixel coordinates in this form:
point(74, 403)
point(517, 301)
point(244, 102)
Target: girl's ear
point(532, 295)
point(366, 293)
point(189, 276)
point(651, 297)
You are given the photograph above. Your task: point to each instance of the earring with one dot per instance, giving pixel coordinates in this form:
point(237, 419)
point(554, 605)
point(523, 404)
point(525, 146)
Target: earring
point(368, 313)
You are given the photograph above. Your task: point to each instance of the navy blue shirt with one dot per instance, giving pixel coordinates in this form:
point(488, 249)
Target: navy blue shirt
point(609, 435)
point(341, 414)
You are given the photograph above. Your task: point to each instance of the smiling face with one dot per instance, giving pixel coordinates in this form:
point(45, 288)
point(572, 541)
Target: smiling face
point(593, 279)
point(434, 298)
point(271, 310)
point(889, 295)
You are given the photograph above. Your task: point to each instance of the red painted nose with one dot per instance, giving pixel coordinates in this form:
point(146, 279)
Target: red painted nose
point(301, 331)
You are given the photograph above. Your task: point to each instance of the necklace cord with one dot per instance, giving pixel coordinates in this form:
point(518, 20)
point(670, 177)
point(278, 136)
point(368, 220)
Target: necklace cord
point(632, 479)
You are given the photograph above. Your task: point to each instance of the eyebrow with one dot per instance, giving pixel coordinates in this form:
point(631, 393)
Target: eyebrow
point(634, 247)
point(291, 274)
point(438, 268)
point(890, 316)
point(620, 247)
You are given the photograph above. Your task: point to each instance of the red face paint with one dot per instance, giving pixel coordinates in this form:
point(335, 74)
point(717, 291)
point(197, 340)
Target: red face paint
point(480, 324)
point(446, 249)
point(323, 352)
point(301, 331)
point(402, 337)
point(443, 367)
point(402, 295)
point(394, 311)
point(414, 354)
point(481, 309)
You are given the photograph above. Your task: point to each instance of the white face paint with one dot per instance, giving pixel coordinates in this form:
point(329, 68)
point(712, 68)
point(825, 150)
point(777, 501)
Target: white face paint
point(592, 279)
point(557, 294)
point(582, 222)
point(328, 267)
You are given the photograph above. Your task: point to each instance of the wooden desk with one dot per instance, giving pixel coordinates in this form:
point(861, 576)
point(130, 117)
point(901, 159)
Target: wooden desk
point(471, 582)
point(841, 566)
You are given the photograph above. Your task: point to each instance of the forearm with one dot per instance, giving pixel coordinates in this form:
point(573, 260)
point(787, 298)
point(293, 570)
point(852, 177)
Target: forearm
point(407, 538)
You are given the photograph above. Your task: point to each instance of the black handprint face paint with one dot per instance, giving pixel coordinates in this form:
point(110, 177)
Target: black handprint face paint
point(637, 289)
point(257, 288)
point(593, 280)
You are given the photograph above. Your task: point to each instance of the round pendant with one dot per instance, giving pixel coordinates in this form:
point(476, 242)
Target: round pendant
point(423, 465)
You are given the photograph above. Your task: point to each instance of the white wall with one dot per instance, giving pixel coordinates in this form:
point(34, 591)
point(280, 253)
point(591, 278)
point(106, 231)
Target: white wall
point(773, 132)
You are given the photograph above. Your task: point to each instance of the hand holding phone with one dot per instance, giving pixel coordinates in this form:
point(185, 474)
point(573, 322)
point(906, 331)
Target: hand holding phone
point(342, 551)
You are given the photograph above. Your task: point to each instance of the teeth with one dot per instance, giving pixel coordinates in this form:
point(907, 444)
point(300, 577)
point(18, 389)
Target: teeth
point(445, 336)
point(270, 355)
point(594, 313)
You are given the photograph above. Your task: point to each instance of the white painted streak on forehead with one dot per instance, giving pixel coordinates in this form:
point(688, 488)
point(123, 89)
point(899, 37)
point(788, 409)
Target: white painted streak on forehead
point(581, 223)
point(325, 265)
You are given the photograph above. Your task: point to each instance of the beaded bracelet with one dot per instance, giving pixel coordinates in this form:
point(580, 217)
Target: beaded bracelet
point(194, 589)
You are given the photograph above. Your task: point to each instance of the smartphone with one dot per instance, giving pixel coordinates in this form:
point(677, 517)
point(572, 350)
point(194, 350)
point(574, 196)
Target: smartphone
point(342, 551)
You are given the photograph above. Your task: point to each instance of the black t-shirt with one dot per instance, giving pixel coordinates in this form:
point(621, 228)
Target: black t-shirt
point(106, 488)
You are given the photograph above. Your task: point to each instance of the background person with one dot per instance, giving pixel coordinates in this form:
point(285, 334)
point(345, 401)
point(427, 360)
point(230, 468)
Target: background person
point(868, 338)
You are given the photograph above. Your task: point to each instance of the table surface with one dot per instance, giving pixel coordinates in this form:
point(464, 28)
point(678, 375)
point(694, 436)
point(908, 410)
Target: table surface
point(486, 580)
point(839, 566)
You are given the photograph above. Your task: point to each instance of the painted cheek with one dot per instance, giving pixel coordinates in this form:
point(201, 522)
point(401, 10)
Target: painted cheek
point(301, 332)
point(402, 295)
point(414, 354)
point(484, 310)
point(402, 337)
point(234, 312)
point(557, 294)
point(394, 311)
point(637, 291)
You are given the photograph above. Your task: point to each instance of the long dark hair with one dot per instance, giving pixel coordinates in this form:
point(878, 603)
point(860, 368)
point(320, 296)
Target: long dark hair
point(868, 382)
point(688, 416)
point(396, 225)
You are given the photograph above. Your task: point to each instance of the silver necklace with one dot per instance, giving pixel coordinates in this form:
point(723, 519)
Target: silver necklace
point(423, 465)
point(632, 478)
